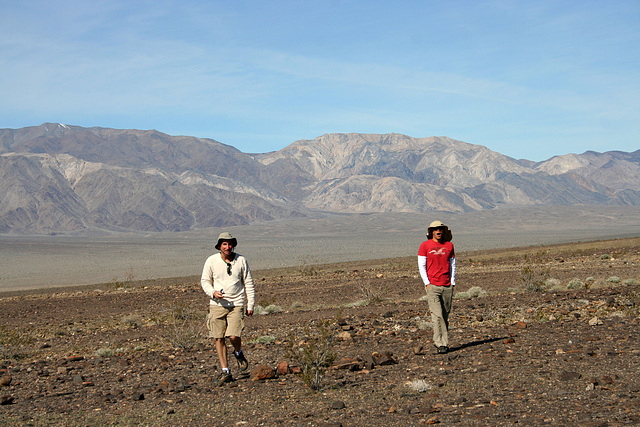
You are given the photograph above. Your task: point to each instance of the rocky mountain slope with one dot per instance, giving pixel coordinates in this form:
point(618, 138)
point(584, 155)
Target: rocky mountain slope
point(68, 179)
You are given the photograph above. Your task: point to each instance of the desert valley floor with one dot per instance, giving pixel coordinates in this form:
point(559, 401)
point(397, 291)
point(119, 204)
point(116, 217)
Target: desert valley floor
point(544, 335)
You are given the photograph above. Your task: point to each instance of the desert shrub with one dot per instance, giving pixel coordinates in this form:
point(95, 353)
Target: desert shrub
point(462, 295)
point(132, 320)
point(359, 303)
point(419, 386)
point(271, 308)
point(370, 293)
point(552, 283)
point(599, 284)
point(183, 326)
point(423, 324)
point(104, 352)
point(534, 273)
point(576, 284)
point(12, 340)
point(313, 353)
point(266, 339)
point(476, 292)
point(297, 305)
point(126, 282)
point(613, 279)
point(630, 282)
point(307, 268)
point(633, 304)
point(605, 256)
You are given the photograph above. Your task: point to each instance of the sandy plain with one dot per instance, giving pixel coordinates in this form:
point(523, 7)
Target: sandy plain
point(29, 263)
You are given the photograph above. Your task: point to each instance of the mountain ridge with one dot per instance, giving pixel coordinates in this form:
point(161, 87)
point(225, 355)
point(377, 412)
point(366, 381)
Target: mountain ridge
point(69, 179)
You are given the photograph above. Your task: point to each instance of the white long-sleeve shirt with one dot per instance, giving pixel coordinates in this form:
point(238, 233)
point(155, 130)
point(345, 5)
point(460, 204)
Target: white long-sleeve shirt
point(233, 286)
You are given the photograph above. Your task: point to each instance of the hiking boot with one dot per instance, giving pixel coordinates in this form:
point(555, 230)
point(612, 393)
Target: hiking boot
point(443, 350)
point(243, 364)
point(225, 377)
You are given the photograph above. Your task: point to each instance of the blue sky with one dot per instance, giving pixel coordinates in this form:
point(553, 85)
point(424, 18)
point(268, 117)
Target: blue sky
point(529, 79)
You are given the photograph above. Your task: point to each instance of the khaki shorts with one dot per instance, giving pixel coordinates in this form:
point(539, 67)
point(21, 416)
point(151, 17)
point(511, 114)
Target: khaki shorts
point(225, 322)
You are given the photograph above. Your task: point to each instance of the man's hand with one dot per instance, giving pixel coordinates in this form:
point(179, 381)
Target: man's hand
point(218, 294)
point(249, 312)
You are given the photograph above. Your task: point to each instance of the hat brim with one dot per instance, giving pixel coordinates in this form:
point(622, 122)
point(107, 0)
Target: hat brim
point(233, 241)
point(447, 233)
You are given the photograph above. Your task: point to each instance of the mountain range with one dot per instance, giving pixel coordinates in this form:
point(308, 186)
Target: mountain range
point(61, 179)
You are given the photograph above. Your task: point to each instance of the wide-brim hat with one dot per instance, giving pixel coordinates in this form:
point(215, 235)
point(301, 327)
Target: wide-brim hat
point(228, 237)
point(437, 224)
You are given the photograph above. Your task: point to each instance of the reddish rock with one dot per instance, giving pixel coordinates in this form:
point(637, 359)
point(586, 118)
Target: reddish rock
point(384, 359)
point(521, 325)
point(283, 368)
point(349, 364)
point(262, 372)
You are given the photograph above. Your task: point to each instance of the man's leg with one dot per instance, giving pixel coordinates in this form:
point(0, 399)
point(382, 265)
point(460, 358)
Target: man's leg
point(447, 299)
point(235, 328)
point(434, 298)
point(236, 342)
point(221, 349)
point(225, 374)
point(217, 324)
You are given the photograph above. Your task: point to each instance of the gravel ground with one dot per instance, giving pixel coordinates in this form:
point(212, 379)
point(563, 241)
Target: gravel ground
point(133, 354)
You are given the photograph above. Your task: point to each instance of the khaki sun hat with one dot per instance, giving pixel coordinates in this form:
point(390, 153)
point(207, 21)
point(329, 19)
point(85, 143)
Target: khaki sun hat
point(438, 224)
point(226, 236)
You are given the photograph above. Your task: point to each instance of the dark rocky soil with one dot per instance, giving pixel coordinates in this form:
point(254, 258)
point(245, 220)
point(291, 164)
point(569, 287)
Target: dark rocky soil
point(135, 355)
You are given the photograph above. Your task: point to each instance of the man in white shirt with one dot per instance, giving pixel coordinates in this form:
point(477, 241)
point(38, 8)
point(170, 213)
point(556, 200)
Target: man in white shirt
point(226, 278)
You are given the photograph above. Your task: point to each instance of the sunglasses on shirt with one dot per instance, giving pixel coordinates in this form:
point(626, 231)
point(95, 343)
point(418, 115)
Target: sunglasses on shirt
point(228, 269)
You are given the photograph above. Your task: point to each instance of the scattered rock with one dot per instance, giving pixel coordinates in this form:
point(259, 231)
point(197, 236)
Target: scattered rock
point(6, 400)
point(262, 372)
point(345, 336)
point(368, 361)
point(607, 380)
point(568, 376)
point(595, 321)
point(5, 380)
point(283, 368)
point(384, 359)
point(521, 325)
point(337, 405)
point(349, 364)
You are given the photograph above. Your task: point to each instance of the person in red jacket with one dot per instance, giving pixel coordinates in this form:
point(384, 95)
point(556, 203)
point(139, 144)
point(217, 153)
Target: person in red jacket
point(437, 265)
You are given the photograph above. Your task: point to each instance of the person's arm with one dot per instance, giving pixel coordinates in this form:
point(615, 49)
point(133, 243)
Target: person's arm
point(206, 281)
point(422, 267)
point(452, 270)
point(249, 288)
